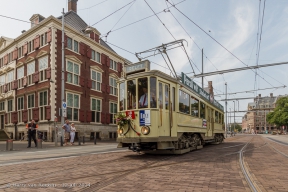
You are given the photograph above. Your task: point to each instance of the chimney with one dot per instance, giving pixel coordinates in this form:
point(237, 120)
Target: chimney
point(72, 5)
point(271, 94)
point(259, 95)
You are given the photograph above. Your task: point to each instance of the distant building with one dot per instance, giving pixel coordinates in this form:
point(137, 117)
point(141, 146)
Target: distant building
point(255, 119)
point(30, 77)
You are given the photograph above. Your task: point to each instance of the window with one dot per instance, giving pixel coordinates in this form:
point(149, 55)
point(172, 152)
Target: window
point(30, 46)
point(153, 93)
point(10, 109)
point(122, 97)
point(10, 78)
point(20, 75)
point(30, 71)
point(72, 107)
point(30, 106)
point(73, 73)
point(202, 110)
point(20, 53)
point(194, 107)
point(113, 86)
point(42, 103)
point(95, 56)
point(143, 93)
point(69, 43)
point(96, 110)
point(113, 65)
point(43, 64)
point(131, 94)
point(96, 80)
point(113, 111)
point(43, 39)
point(216, 117)
point(2, 106)
point(72, 44)
point(184, 102)
point(76, 46)
point(2, 83)
point(20, 107)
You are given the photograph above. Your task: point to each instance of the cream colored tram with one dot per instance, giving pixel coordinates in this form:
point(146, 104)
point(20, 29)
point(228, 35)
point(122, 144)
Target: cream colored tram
point(166, 115)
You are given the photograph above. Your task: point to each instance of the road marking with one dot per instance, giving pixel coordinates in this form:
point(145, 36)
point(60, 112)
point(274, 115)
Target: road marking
point(30, 152)
point(232, 146)
point(41, 151)
point(74, 148)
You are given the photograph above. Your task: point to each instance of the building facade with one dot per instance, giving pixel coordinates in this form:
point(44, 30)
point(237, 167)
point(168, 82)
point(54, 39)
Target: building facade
point(30, 78)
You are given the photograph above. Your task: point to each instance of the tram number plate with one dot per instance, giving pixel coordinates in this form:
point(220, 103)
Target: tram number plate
point(145, 118)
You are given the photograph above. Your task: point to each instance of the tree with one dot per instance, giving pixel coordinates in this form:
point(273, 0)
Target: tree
point(238, 127)
point(280, 114)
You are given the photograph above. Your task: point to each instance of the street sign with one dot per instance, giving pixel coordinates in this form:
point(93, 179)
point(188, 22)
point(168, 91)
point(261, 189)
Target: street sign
point(64, 105)
point(64, 112)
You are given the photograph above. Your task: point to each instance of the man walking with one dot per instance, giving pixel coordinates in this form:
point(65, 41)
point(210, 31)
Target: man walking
point(31, 132)
point(67, 129)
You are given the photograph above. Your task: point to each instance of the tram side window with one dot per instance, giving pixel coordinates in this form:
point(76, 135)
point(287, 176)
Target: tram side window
point(122, 97)
point(202, 110)
point(166, 97)
point(184, 102)
point(153, 98)
point(173, 99)
point(160, 96)
point(131, 94)
point(194, 107)
point(143, 92)
point(216, 117)
point(222, 119)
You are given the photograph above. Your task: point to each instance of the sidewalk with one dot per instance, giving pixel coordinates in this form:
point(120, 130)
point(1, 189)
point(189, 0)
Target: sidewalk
point(22, 145)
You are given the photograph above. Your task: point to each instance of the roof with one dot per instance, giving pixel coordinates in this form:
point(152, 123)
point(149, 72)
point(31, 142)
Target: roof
point(76, 22)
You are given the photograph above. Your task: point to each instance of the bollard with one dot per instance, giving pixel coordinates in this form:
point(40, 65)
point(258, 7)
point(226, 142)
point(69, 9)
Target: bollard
point(61, 141)
point(94, 140)
point(39, 143)
point(79, 142)
point(9, 145)
point(83, 139)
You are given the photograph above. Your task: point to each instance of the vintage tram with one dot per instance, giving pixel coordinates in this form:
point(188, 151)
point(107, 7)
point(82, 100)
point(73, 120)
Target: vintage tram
point(158, 113)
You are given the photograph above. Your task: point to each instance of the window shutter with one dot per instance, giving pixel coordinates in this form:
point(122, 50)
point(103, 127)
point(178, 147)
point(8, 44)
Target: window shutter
point(82, 48)
point(25, 48)
point(103, 88)
point(6, 118)
point(6, 59)
point(36, 77)
point(82, 81)
point(24, 81)
point(36, 114)
point(15, 84)
point(49, 36)
point(88, 116)
point(120, 67)
point(15, 54)
point(92, 35)
point(103, 58)
point(48, 112)
point(65, 40)
point(88, 52)
point(25, 116)
point(108, 118)
point(103, 118)
point(48, 73)
point(108, 61)
point(96, 38)
point(14, 117)
point(81, 115)
point(108, 89)
point(89, 83)
point(37, 42)
point(5, 88)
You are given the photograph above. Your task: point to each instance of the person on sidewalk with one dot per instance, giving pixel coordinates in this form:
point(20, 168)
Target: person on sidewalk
point(67, 129)
point(72, 133)
point(31, 132)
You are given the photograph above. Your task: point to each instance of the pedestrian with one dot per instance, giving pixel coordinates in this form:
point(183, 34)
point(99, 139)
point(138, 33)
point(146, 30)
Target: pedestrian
point(31, 132)
point(72, 133)
point(67, 129)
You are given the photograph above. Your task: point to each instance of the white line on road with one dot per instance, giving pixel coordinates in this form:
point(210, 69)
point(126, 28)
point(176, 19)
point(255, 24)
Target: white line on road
point(41, 151)
point(30, 152)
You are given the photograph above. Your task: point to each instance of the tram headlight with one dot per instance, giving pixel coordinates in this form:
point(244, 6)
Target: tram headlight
point(121, 131)
point(145, 130)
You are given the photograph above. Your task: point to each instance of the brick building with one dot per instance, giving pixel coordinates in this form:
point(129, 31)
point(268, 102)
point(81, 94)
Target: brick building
point(30, 77)
point(255, 118)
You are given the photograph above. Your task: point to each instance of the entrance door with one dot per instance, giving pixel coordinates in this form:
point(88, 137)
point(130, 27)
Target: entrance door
point(2, 122)
point(210, 125)
point(164, 106)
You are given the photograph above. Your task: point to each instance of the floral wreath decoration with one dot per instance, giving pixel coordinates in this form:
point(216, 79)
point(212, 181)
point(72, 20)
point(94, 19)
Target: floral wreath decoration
point(122, 120)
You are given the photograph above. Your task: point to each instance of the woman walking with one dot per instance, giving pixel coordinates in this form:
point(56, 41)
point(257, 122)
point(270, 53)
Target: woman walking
point(72, 133)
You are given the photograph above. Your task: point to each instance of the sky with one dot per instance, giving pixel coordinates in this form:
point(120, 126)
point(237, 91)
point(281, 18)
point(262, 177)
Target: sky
point(230, 32)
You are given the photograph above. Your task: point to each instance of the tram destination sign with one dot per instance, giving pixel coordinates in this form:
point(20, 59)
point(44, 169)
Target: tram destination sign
point(196, 88)
point(138, 67)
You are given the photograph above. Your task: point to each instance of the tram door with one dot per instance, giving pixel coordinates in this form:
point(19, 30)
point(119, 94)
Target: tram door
point(210, 124)
point(163, 102)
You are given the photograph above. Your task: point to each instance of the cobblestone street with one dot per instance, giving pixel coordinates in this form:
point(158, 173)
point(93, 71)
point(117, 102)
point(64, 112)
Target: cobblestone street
point(213, 168)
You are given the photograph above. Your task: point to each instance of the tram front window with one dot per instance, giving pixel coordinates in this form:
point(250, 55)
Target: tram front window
point(143, 92)
point(153, 100)
point(122, 97)
point(131, 94)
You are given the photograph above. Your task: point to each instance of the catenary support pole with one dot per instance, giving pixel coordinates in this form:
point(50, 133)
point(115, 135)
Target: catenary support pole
point(62, 77)
point(203, 72)
point(226, 120)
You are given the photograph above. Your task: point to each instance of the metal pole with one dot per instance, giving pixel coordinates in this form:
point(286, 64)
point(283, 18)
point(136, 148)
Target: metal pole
point(62, 76)
point(226, 120)
point(234, 117)
point(230, 122)
point(203, 72)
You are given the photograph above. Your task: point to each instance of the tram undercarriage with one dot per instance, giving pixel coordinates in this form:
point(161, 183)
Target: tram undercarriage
point(186, 142)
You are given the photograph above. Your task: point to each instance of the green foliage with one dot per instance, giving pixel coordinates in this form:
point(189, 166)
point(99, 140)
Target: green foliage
point(280, 114)
point(238, 127)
